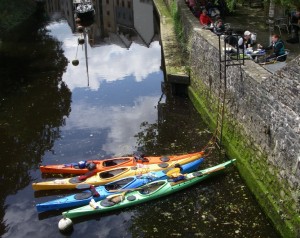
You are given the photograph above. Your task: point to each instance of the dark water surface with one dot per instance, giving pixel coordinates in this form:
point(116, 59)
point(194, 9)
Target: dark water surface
point(53, 112)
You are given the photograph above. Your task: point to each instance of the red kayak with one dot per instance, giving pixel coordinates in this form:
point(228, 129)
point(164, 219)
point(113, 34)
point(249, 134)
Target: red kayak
point(83, 167)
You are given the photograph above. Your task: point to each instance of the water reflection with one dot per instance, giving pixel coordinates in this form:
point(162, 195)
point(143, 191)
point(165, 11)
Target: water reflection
point(111, 63)
point(49, 114)
point(122, 45)
point(29, 120)
point(37, 123)
point(116, 42)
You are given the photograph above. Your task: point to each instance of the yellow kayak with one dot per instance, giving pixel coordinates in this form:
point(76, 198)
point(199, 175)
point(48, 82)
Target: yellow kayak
point(104, 177)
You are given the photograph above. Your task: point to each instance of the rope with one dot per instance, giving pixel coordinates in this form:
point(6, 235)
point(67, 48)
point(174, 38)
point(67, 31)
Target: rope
point(76, 52)
point(210, 145)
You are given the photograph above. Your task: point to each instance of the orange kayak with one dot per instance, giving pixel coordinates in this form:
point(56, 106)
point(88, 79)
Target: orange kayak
point(83, 167)
point(107, 176)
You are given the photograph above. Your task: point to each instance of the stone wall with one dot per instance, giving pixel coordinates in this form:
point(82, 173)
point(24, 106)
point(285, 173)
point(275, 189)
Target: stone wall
point(262, 121)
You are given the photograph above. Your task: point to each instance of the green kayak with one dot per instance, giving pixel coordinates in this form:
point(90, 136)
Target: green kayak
point(146, 193)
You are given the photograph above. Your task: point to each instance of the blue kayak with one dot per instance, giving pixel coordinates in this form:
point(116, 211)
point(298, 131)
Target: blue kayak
point(101, 192)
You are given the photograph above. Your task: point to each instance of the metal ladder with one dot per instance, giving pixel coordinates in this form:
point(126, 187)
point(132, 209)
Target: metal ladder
point(224, 62)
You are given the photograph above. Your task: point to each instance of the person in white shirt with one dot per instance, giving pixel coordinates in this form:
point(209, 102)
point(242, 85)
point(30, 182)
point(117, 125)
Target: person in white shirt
point(245, 41)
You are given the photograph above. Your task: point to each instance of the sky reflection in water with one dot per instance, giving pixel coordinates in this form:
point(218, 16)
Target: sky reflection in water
point(124, 88)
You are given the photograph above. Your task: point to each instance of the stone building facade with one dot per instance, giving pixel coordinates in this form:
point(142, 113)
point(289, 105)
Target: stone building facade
point(261, 124)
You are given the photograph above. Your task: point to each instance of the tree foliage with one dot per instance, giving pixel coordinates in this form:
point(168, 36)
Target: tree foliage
point(34, 101)
point(12, 12)
point(287, 3)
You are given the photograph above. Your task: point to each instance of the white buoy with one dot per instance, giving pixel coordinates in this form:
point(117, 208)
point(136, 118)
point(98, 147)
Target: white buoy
point(65, 224)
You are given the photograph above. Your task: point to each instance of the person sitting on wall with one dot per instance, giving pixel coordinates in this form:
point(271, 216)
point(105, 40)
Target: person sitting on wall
point(212, 10)
point(219, 27)
point(193, 7)
point(245, 41)
point(278, 49)
point(204, 19)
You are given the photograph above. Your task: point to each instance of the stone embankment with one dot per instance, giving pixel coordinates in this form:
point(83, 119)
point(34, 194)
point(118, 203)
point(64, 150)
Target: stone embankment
point(176, 70)
point(262, 120)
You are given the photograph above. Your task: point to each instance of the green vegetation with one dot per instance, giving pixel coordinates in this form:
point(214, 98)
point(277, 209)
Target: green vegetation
point(13, 12)
point(179, 31)
point(260, 176)
point(287, 3)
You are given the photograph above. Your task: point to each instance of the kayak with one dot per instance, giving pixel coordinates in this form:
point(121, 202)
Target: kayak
point(83, 167)
point(101, 192)
point(150, 191)
point(104, 177)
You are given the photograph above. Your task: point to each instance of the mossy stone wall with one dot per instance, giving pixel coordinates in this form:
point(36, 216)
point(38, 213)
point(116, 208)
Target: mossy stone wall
point(261, 125)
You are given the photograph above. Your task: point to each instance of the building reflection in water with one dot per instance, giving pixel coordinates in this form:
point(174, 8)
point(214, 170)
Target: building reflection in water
point(115, 22)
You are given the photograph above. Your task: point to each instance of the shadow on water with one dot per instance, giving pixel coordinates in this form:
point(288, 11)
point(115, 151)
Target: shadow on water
point(35, 107)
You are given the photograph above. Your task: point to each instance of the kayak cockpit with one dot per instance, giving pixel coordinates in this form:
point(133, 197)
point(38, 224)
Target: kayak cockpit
point(115, 162)
point(152, 187)
point(112, 173)
point(118, 184)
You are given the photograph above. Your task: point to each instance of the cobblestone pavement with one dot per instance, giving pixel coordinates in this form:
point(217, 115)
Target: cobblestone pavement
point(254, 19)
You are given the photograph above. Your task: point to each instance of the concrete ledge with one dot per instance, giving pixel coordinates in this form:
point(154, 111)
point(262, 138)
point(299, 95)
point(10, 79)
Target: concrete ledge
point(176, 70)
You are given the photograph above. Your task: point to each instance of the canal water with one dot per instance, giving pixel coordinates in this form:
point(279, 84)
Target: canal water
point(111, 104)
